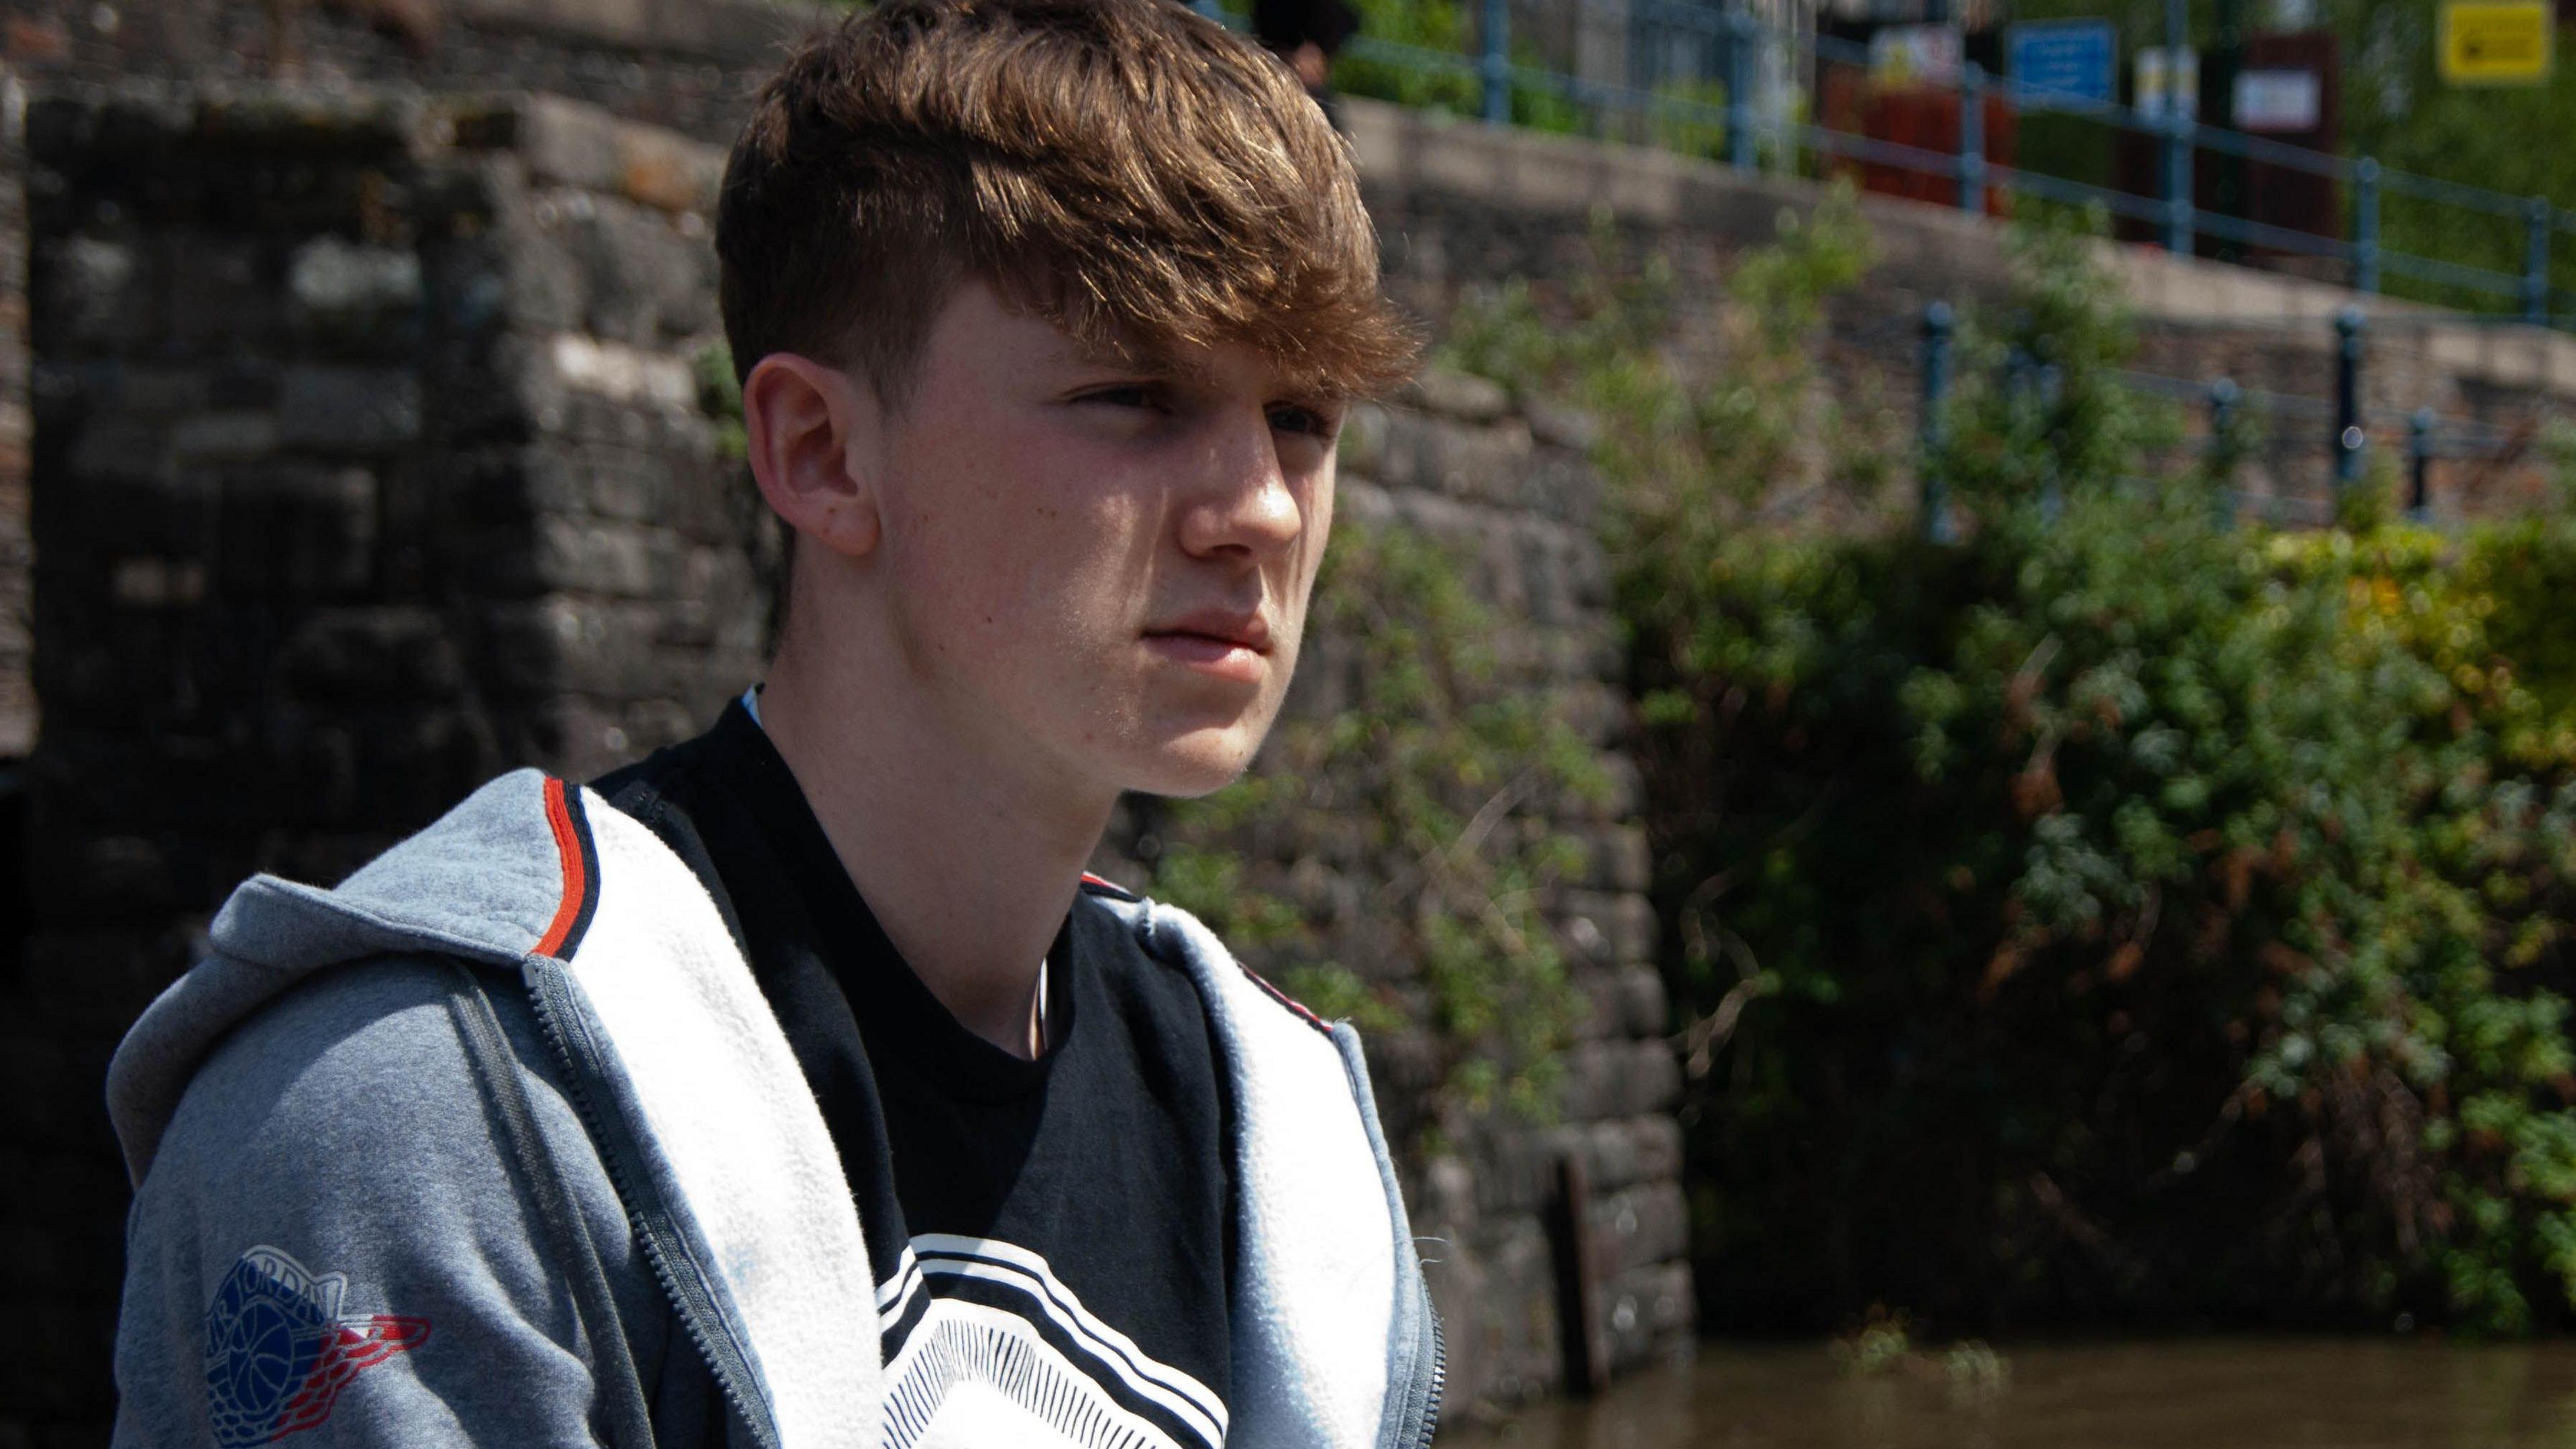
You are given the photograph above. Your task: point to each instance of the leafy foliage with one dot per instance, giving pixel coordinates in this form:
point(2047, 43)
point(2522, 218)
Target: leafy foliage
point(1442, 772)
point(2111, 915)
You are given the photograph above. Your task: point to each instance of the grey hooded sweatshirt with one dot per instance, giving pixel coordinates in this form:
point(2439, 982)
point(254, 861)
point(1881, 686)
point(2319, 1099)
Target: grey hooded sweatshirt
point(499, 1143)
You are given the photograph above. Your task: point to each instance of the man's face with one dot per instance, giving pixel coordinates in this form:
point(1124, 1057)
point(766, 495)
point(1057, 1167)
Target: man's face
point(1097, 568)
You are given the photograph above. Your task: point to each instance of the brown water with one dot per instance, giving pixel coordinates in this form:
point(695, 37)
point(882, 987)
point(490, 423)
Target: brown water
point(2261, 1394)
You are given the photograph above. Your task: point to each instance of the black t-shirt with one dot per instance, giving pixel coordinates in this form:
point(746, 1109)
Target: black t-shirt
point(1050, 1238)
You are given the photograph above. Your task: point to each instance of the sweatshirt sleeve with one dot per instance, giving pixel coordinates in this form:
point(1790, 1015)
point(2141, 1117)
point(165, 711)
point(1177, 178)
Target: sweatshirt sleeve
point(332, 1242)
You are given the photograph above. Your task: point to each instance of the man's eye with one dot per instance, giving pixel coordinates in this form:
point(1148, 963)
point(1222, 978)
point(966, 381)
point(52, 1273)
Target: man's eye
point(1134, 395)
point(1293, 418)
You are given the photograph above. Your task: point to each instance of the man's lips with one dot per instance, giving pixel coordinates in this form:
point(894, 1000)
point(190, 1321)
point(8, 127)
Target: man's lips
point(1235, 647)
point(1241, 631)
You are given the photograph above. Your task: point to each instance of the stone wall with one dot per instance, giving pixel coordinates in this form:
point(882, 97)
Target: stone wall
point(1513, 496)
point(367, 461)
point(371, 463)
point(688, 65)
point(17, 554)
point(1462, 206)
point(1514, 492)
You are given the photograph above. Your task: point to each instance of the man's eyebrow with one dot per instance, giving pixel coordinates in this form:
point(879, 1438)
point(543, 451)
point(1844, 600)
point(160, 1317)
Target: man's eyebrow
point(1085, 352)
point(1311, 389)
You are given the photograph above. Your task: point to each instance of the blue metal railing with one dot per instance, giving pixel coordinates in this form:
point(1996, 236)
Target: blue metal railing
point(2289, 424)
point(1726, 44)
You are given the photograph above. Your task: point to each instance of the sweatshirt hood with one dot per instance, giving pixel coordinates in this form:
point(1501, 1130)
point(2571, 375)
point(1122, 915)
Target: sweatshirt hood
point(491, 881)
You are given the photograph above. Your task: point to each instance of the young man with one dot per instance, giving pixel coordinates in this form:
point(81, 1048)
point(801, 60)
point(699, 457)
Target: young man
point(794, 1086)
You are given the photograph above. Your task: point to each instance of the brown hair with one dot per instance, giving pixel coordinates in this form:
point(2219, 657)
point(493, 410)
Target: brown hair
point(1125, 168)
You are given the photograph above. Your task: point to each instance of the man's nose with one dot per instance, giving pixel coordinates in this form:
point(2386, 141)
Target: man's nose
point(1244, 502)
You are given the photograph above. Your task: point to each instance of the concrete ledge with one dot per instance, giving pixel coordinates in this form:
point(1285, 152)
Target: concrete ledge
point(579, 145)
point(739, 32)
point(1404, 152)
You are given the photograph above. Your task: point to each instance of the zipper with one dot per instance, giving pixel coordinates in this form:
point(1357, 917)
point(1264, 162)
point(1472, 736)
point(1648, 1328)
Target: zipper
point(689, 1299)
point(1439, 1376)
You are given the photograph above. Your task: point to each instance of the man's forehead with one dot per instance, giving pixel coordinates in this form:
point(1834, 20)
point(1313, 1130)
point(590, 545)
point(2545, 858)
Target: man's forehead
point(1107, 343)
point(1194, 364)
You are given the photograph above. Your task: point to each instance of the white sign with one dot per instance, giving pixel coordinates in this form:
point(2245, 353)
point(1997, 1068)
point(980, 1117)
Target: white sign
point(2161, 84)
point(1916, 55)
point(2277, 100)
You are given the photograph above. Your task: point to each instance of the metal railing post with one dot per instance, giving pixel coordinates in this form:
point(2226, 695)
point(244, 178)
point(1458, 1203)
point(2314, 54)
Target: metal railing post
point(1496, 65)
point(2177, 145)
point(1739, 89)
point(2419, 465)
point(1210, 9)
point(2224, 396)
point(1937, 325)
point(1972, 138)
point(2049, 383)
point(2535, 261)
point(2348, 438)
point(2365, 225)
point(2177, 149)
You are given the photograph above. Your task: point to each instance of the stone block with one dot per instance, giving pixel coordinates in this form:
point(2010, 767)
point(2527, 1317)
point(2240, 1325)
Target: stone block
point(114, 448)
point(616, 373)
point(1626, 922)
point(1457, 460)
point(313, 124)
point(231, 435)
point(386, 654)
point(364, 410)
point(1515, 1170)
point(1595, 1087)
point(407, 767)
point(1561, 426)
point(1590, 946)
point(565, 141)
point(626, 484)
point(1599, 1017)
point(1638, 1226)
point(1610, 1155)
point(350, 291)
point(1650, 1078)
point(668, 172)
point(218, 292)
point(1643, 1008)
point(585, 147)
point(152, 390)
point(148, 583)
point(90, 984)
point(1648, 1310)
point(523, 643)
point(293, 530)
point(1615, 857)
point(1463, 1294)
point(1657, 1140)
point(611, 650)
point(645, 280)
point(545, 288)
point(1460, 395)
point(615, 559)
point(94, 295)
point(1362, 445)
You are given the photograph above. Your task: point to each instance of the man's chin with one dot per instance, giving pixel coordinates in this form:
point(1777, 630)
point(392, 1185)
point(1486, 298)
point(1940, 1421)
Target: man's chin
point(1199, 763)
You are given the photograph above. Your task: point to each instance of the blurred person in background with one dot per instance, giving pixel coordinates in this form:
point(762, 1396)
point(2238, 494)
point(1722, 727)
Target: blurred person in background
point(795, 1086)
point(1308, 34)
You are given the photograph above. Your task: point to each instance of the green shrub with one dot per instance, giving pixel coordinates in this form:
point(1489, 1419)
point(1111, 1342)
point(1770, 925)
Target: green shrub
point(2110, 916)
point(1441, 773)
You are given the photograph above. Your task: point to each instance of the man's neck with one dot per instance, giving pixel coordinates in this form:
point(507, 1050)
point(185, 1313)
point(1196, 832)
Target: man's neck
point(968, 869)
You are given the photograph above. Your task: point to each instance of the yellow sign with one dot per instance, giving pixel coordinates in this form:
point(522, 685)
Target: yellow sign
point(2496, 42)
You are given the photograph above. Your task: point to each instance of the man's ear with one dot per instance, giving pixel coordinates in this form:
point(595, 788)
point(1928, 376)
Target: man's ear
point(815, 435)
